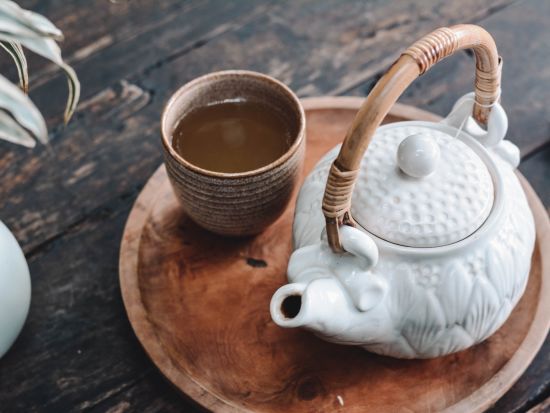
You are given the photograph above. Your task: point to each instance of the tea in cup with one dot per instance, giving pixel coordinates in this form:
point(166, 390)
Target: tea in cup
point(234, 144)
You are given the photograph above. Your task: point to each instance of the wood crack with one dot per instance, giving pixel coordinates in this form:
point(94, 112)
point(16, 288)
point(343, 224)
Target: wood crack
point(542, 406)
point(203, 41)
point(382, 66)
point(532, 150)
point(107, 209)
point(89, 405)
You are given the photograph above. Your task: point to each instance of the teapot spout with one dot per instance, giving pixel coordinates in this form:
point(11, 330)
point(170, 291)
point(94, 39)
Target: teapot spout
point(320, 305)
point(286, 306)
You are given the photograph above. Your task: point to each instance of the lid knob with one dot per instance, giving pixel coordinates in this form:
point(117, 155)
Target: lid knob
point(417, 155)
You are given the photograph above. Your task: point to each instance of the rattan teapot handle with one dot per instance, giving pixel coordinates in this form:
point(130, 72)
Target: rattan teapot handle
point(412, 63)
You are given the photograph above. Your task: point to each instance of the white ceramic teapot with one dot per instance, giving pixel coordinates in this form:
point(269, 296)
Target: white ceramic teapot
point(439, 248)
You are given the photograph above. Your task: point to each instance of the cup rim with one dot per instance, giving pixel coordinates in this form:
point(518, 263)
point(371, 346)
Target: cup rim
point(227, 74)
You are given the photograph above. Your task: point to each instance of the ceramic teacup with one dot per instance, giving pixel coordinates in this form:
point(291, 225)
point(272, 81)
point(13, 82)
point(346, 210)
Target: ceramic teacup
point(241, 203)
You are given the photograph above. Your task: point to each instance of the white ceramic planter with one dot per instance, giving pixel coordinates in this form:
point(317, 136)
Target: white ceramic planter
point(15, 289)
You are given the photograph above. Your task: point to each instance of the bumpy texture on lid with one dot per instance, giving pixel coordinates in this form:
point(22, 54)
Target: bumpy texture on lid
point(439, 209)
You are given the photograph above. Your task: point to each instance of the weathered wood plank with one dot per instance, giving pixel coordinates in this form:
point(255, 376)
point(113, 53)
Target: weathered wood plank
point(533, 385)
point(537, 170)
point(77, 347)
point(151, 394)
point(364, 38)
point(542, 407)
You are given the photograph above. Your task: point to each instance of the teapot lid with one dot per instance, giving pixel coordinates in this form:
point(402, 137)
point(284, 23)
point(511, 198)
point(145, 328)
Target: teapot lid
point(420, 187)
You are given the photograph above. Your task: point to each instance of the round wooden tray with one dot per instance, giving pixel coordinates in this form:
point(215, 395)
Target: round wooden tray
point(199, 304)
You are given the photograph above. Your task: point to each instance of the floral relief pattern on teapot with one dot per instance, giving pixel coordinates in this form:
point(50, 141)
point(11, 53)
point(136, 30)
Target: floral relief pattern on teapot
point(451, 276)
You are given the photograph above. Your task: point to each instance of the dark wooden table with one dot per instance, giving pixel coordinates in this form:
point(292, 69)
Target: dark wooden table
point(67, 204)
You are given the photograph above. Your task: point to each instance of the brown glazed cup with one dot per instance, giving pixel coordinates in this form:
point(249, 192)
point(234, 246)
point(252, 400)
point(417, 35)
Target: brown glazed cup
point(241, 203)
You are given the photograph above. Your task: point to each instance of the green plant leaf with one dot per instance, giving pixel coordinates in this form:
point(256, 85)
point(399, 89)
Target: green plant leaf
point(16, 52)
point(23, 28)
point(74, 92)
point(21, 108)
point(13, 132)
point(16, 21)
point(49, 49)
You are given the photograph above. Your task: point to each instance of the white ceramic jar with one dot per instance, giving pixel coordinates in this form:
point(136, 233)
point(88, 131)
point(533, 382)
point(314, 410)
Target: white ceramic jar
point(15, 289)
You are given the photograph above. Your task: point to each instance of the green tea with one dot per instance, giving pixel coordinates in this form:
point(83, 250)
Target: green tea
point(232, 136)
